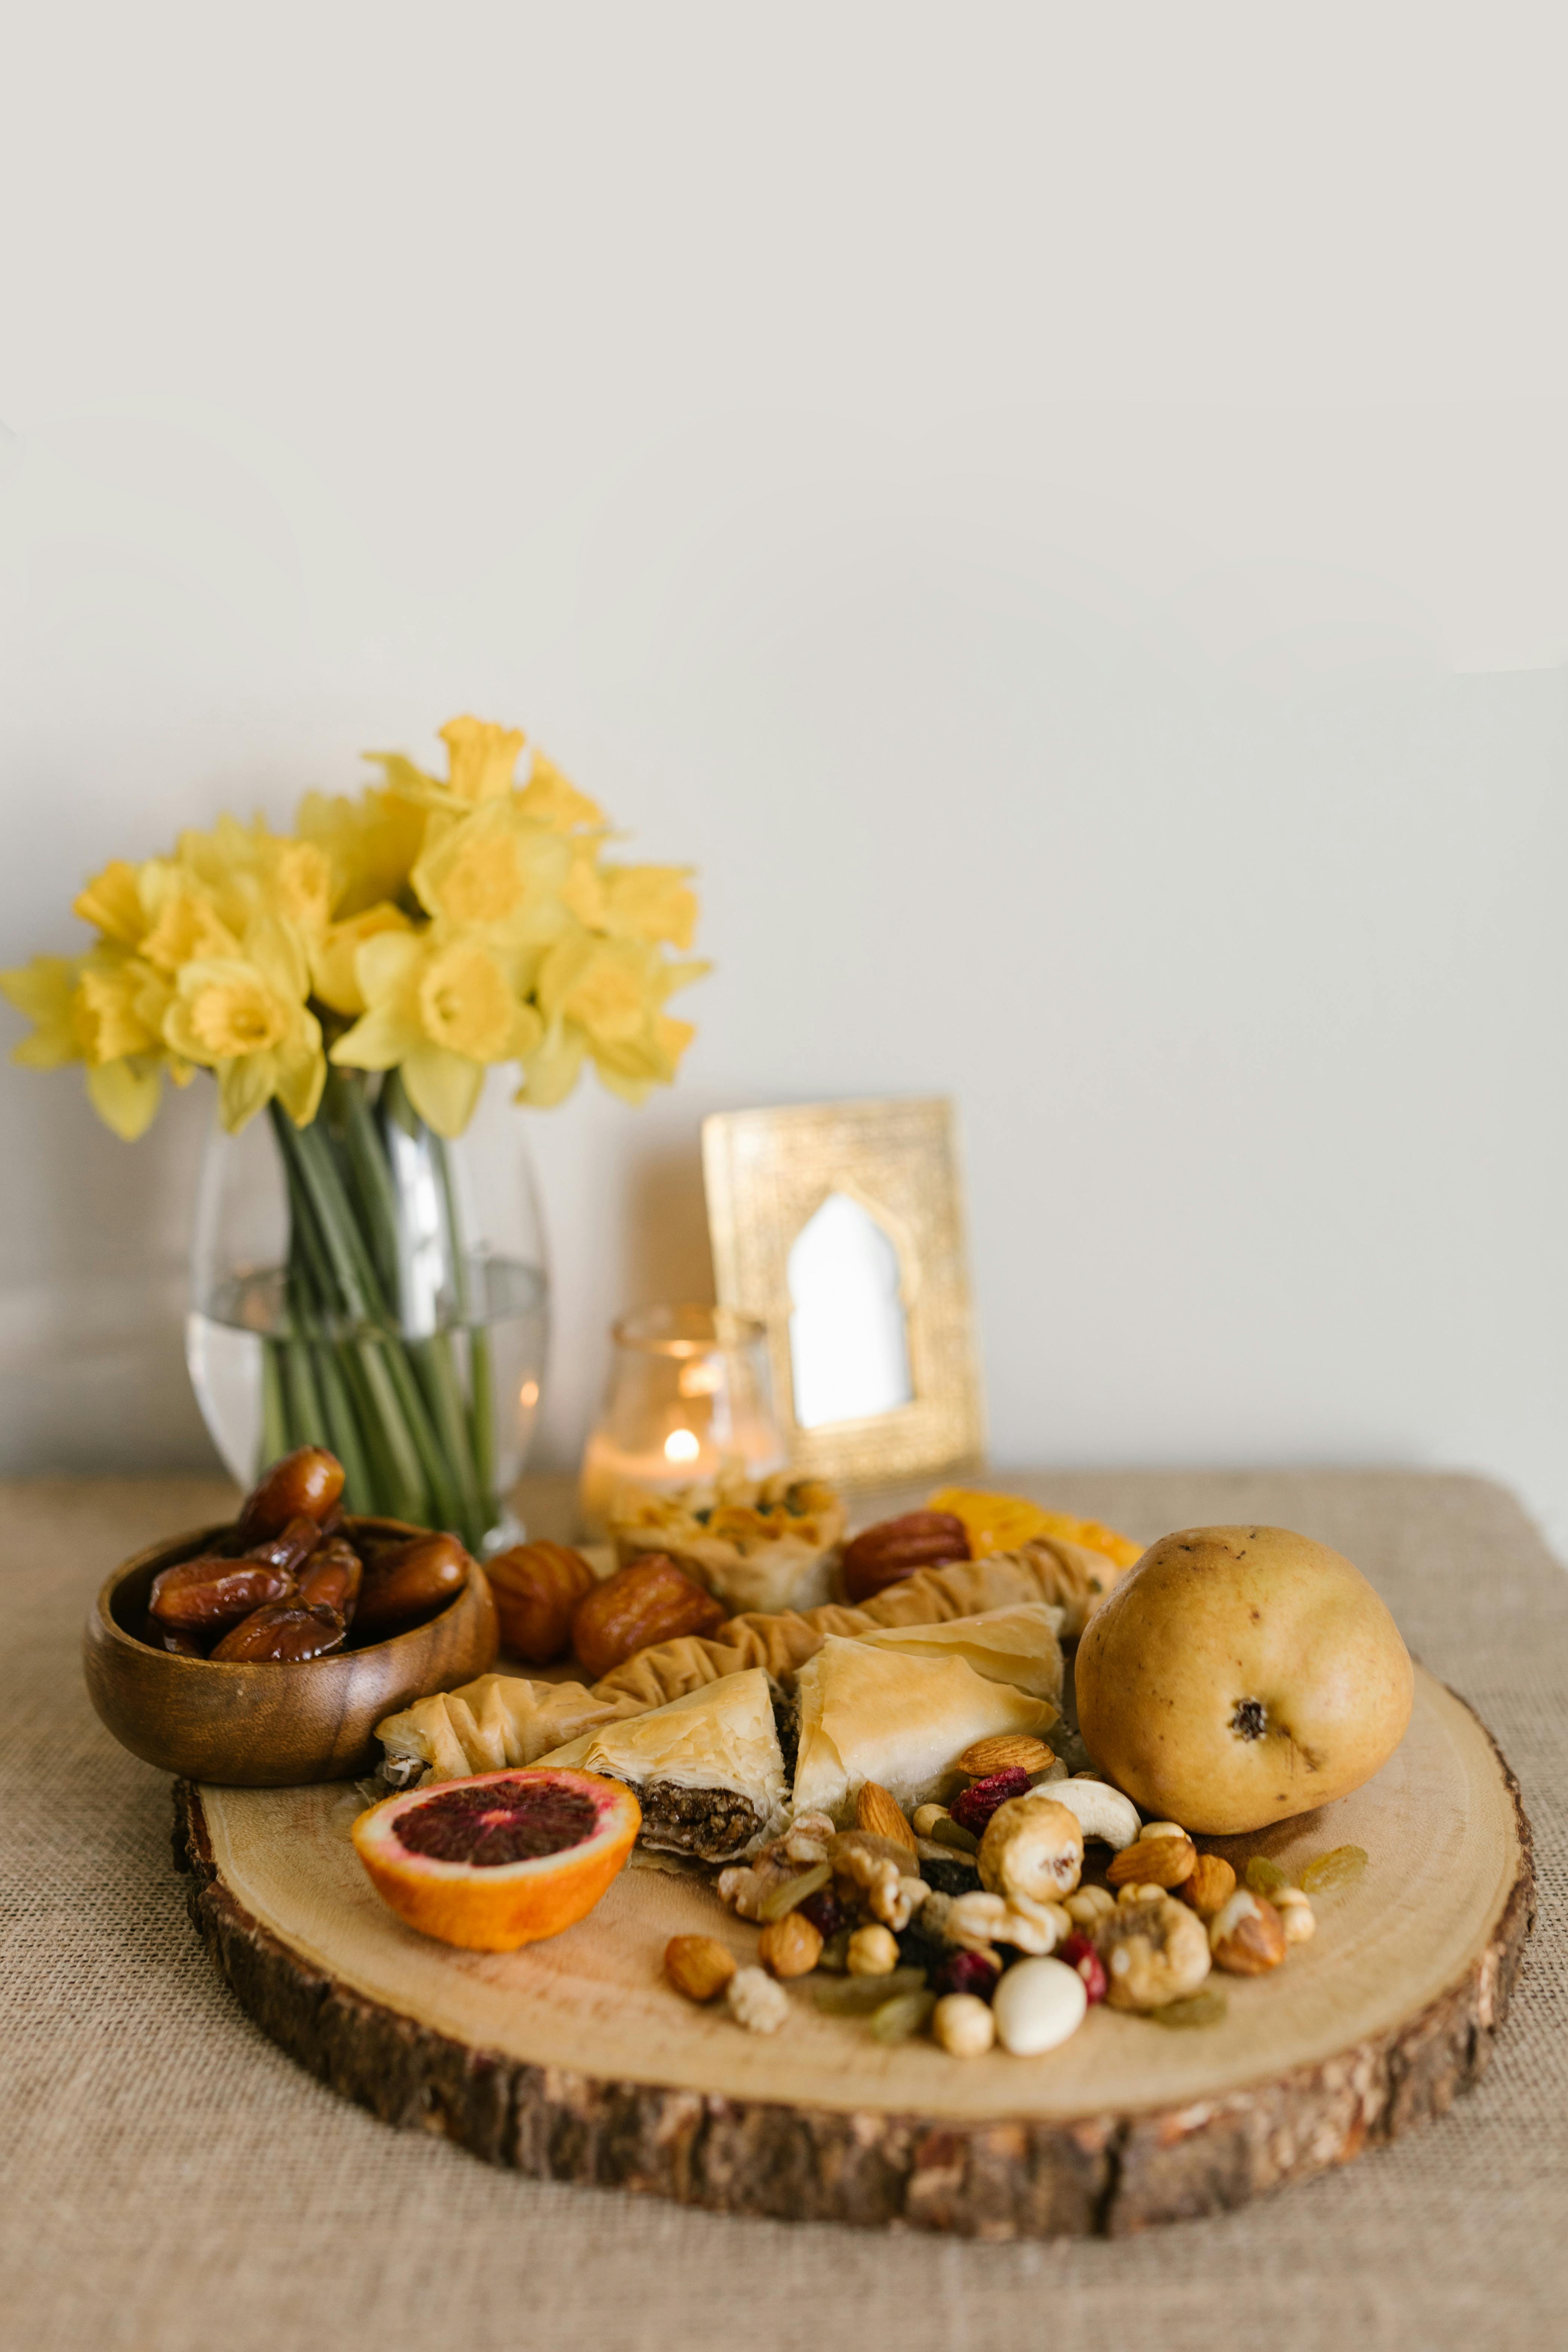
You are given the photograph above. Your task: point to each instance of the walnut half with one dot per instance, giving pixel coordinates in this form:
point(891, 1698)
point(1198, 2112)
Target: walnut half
point(1154, 1949)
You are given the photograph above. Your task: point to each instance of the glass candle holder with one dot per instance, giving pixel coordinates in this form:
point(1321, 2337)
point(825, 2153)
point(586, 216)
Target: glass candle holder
point(689, 1391)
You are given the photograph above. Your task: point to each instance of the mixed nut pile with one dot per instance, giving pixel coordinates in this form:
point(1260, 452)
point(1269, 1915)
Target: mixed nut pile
point(293, 1577)
point(973, 1921)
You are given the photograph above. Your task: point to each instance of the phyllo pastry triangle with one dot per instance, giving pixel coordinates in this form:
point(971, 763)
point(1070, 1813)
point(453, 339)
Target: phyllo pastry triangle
point(1017, 1645)
point(869, 1713)
point(708, 1767)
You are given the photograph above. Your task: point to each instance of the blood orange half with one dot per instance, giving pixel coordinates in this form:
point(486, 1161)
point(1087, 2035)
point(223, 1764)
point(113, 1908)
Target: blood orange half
point(500, 1860)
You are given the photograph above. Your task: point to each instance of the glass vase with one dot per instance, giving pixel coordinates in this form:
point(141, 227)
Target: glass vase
point(363, 1284)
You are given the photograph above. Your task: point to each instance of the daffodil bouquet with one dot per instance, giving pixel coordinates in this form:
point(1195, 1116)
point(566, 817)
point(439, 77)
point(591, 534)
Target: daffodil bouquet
point(357, 979)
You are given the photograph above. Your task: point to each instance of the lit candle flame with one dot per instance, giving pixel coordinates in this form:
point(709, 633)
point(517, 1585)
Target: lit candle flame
point(680, 1445)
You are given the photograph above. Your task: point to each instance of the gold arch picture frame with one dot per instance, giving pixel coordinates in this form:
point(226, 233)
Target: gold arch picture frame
point(894, 1166)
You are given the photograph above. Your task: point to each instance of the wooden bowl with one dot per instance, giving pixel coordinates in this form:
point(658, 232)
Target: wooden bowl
point(259, 1724)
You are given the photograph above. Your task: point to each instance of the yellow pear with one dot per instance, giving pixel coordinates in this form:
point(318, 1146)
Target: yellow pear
point(1237, 1675)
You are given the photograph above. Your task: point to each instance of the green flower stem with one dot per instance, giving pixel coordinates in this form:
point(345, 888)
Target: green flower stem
point(482, 1404)
point(344, 1434)
point(300, 1387)
point(414, 1444)
point(371, 1176)
point(274, 1420)
point(481, 1417)
point(433, 1366)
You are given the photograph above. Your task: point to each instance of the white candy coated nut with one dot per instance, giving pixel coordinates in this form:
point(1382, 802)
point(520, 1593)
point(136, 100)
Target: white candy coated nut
point(1102, 1811)
point(1037, 2005)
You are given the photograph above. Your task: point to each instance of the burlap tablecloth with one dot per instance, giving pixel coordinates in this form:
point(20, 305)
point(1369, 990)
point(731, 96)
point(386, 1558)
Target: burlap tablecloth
point(171, 2180)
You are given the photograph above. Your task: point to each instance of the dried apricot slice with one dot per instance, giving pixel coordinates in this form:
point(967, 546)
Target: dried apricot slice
point(503, 1859)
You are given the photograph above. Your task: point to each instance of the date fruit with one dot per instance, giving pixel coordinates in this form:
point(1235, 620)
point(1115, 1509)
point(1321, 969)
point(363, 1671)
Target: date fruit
point(536, 1586)
point(894, 1549)
point(409, 1581)
point(305, 1483)
point(650, 1601)
point(284, 1633)
point(330, 1578)
point(289, 1548)
point(208, 1594)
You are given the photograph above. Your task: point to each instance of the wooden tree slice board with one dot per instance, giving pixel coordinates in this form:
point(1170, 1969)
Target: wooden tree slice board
point(574, 2060)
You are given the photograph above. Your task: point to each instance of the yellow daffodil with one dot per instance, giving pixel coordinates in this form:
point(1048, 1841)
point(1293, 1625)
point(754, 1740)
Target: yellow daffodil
point(112, 900)
point(453, 922)
point(372, 845)
point(332, 956)
point(245, 1017)
point(481, 762)
point(182, 921)
point(84, 1009)
point(440, 1010)
point(650, 902)
point(44, 990)
point(495, 873)
point(604, 998)
point(249, 871)
point(553, 800)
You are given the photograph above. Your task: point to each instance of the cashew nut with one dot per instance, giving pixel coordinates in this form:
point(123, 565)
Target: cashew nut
point(1101, 1810)
point(1032, 1847)
point(1154, 1951)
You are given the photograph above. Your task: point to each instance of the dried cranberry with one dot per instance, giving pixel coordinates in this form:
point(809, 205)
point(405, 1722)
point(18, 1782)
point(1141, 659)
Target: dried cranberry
point(967, 1972)
point(825, 1912)
point(974, 1808)
point(1080, 1953)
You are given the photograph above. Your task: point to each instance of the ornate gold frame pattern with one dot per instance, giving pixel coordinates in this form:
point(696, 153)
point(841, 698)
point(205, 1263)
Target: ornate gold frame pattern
point(767, 1172)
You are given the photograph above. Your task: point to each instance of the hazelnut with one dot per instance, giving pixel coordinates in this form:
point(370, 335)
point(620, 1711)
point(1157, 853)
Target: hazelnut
point(1297, 1915)
point(873, 1952)
point(696, 1966)
point(1246, 1936)
point(791, 1947)
point(963, 2025)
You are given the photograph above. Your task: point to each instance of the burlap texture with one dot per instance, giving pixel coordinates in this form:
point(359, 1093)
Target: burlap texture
point(171, 2182)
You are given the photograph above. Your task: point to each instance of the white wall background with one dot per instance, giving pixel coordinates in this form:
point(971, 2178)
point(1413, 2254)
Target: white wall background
point(1062, 512)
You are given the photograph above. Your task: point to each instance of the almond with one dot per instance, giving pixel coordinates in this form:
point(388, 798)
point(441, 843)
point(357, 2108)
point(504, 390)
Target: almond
point(699, 1967)
point(875, 1811)
point(1153, 1862)
point(1211, 1885)
point(790, 1947)
point(1010, 1751)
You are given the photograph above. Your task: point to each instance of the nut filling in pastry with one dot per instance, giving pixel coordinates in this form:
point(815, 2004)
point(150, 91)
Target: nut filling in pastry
point(715, 1824)
point(786, 1723)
